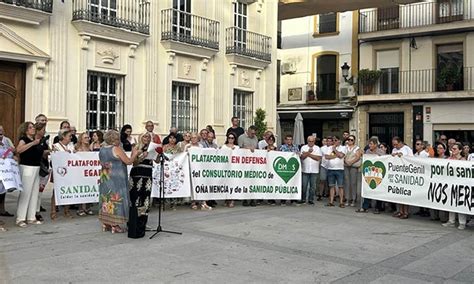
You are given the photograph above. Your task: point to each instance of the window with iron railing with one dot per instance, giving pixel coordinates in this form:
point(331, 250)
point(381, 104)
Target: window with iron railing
point(42, 5)
point(327, 23)
point(243, 107)
point(104, 101)
point(389, 81)
point(184, 106)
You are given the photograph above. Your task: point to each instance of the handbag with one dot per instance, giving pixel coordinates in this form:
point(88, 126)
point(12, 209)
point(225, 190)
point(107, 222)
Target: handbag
point(351, 154)
point(44, 168)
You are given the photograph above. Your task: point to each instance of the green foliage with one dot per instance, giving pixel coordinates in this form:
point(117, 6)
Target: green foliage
point(260, 123)
point(449, 75)
point(369, 77)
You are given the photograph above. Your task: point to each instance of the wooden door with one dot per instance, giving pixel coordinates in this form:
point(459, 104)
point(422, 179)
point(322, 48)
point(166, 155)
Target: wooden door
point(12, 97)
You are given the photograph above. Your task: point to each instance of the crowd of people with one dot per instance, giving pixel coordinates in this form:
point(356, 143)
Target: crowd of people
point(330, 170)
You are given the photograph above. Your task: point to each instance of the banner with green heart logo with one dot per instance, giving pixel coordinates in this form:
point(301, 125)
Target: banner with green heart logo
point(242, 174)
point(441, 184)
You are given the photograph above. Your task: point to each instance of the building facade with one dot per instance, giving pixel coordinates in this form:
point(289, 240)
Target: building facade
point(102, 64)
point(312, 52)
point(425, 87)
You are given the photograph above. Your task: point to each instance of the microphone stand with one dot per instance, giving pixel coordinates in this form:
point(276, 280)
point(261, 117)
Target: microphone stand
point(161, 198)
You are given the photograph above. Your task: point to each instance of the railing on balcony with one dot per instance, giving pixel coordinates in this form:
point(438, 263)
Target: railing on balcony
point(242, 42)
point(185, 27)
point(415, 15)
point(320, 93)
point(133, 15)
point(42, 5)
point(421, 81)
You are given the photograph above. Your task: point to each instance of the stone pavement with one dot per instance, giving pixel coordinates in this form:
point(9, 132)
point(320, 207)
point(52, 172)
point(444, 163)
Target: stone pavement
point(266, 244)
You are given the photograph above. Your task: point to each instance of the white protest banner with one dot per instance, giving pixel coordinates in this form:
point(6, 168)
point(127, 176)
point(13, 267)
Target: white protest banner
point(10, 175)
point(177, 181)
point(241, 174)
point(441, 184)
point(76, 177)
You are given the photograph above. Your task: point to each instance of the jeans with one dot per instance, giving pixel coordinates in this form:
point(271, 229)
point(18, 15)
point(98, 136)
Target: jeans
point(336, 177)
point(309, 180)
point(367, 201)
point(351, 178)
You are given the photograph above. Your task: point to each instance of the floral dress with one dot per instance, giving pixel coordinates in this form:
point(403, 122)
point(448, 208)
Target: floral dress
point(113, 189)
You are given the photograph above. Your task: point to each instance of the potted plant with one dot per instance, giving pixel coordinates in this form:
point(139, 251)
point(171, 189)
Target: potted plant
point(447, 77)
point(368, 78)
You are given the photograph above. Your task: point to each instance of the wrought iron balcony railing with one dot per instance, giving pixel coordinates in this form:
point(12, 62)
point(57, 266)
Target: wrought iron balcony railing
point(415, 15)
point(133, 15)
point(42, 5)
point(322, 93)
point(242, 42)
point(185, 27)
point(421, 81)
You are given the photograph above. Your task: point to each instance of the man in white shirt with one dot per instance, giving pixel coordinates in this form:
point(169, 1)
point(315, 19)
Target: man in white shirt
point(323, 169)
point(335, 166)
point(310, 157)
point(400, 149)
point(420, 148)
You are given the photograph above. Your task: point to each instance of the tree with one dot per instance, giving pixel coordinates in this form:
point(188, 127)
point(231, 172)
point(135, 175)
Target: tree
point(260, 122)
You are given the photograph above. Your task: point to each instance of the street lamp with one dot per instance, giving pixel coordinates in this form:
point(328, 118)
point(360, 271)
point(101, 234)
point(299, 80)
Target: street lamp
point(345, 74)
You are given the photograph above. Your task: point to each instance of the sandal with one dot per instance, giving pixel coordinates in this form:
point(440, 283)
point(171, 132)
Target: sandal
point(231, 204)
point(2, 229)
point(106, 228)
point(330, 204)
point(204, 206)
point(67, 214)
point(194, 207)
point(403, 216)
point(22, 224)
point(342, 205)
point(397, 214)
point(117, 229)
point(80, 213)
point(361, 210)
point(89, 212)
point(53, 216)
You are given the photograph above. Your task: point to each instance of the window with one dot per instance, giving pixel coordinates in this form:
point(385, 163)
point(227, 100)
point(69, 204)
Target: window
point(182, 17)
point(386, 126)
point(240, 22)
point(326, 66)
point(184, 106)
point(449, 69)
point(243, 107)
point(327, 23)
point(104, 93)
point(450, 10)
point(388, 63)
point(103, 9)
point(388, 18)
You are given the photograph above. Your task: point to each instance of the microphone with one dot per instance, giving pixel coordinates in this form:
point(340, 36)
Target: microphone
point(159, 150)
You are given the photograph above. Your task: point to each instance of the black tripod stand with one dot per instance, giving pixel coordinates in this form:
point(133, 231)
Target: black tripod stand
point(158, 229)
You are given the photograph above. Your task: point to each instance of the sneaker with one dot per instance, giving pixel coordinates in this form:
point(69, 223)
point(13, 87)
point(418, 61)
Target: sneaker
point(461, 227)
point(310, 202)
point(346, 204)
point(245, 203)
point(353, 204)
point(39, 217)
point(448, 225)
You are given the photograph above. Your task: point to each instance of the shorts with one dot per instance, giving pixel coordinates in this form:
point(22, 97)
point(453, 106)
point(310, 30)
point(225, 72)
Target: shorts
point(336, 177)
point(323, 173)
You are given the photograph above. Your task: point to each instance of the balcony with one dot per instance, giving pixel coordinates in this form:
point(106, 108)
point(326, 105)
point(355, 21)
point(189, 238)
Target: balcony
point(26, 11)
point(427, 18)
point(318, 93)
point(186, 33)
point(248, 48)
point(430, 84)
point(125, 21)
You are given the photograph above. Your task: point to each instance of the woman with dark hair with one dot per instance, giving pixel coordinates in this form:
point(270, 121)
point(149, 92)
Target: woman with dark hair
point(172, 146)
point(466, 150)
point(97, 140)
point(126, 138)
point(230, 141)
point(31, 154)
point(440, 151)
point(385, 148)
point(271, 144)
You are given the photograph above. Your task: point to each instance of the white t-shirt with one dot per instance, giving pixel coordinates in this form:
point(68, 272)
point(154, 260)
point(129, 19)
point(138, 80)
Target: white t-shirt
point(405, 150)
point(61, 148)
point(228, 148)
point(422, 154)
point(470, 157)
point(337, 163)
point(309, 165)
point(262, 144)
point(325, 150)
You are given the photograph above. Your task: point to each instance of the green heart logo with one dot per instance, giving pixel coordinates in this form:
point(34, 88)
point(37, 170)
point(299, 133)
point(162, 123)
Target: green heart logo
point(373, 173)
point(286, 169)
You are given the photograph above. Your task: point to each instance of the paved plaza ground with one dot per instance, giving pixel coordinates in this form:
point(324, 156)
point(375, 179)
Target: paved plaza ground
point(266, 244)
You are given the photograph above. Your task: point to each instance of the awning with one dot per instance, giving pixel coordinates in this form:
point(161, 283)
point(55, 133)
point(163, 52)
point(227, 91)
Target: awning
point(339, 113)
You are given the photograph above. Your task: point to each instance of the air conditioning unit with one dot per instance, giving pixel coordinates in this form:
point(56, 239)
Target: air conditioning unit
point(346, 92)
point(288, 68)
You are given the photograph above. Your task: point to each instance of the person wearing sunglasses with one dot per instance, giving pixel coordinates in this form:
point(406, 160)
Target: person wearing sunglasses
point(230, 144)
point(352, 163)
